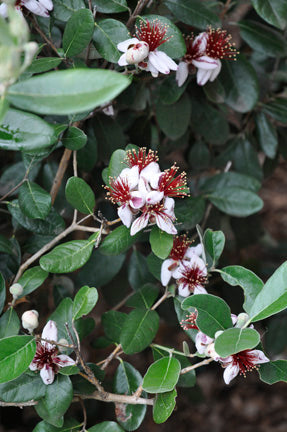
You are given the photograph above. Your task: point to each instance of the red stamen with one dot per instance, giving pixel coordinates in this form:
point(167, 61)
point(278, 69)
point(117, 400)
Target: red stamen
point(179, 248)
point(245, 360)
point(190, 322)
point(192, 50)
point(172, 185)
point(191, 277)
point(141, 158)
point(118, 191)
point(46, 356)
point(152, 33)
point(218, 45)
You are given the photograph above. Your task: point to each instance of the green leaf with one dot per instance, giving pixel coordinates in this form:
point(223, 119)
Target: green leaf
point(162, 375)
point(78, 32)
point(52, 225)
point(4, 106)
point(61, 315)
point(245, 158)
point(74, 138)
point(267, 135)
point(32, 279)
point(193, 13)
point(277, 109)
point(181, 316)
point(9, 323)
point(70, 425)
point(189, 212)
point(127, 380)
point(240, 83)
point(108, 33)
point(107, 426)
point(80, 195)
point(213, 313)
point(2, 292)
point(69, 256)
point(111, 6)
point(138, 272)
point(63, 10)
point(118, 241)
point(138, 330)
point(246, 279)
point(69, 370)
point(16, 354)
point(273, 296)
point(43, 64)
point(234, 340)
point(144, 297)
point(273, 372)
point(161, 242)
point(236, 201)
point(214, 242)
point(169, 92)
point(154, 265)
point(23, 389)
point(34, 201)
point(274, 12)
point(113, 322)
point(5, 246)
point(262, 38)
point(57, 400)
point(163, 406)
point(67, 91)
point(116, 164)
point(175, 46)
point(223, 180)
point(85, 300)
point(24, 131)
point(174, 119)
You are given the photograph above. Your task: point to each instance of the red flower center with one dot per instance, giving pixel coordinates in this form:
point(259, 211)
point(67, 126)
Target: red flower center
point(179, 248)
point(192, 50)
point(152, 33)
point(141, 158)
point(173, 185)
point(46, 356)
point(191, 277)
point(218, 45)
point(190, 322)
point(245, 360)
point(118, 191)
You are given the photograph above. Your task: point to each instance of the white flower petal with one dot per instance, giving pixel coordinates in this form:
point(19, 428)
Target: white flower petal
point(48, 4)
point(137, 200)
point(169, 207)
point(234, 319)
point(165, 224)
point(133, 176)
point(158, 63)
point(33, 366)
point(198, 289)
point(65, 360)
point(215, 72)
point(202, 76)
point(3, 10)
point(126, 215)
point(36, 7)
point(140, 223)
point(181, 73)
point(154, 180)
point(205, 62)
point(183, 290)
point(166, 273)
point(47, 374)
point(201, 342)
point(166, 60)
point(154, 197)
point(122, 60)
point(195, 261)
point(230, 372)
point(201, 41)
point(150, 172)
point(260, 357)
point(197, 250)
point(123, 46)
point(49, 332)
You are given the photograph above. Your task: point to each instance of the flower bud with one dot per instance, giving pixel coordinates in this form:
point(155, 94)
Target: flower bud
point(63, 341)
point(30, 320)
point(242, 319)
point(210, 352)
point(16, 290)
point(137, 53)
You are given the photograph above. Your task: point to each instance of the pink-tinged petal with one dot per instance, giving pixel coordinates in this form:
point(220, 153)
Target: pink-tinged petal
point(260, 357)
point(122, 60)
point(137, 200)
point(154, 180)
point(33, 366)
point(201, 41)
point(150, 68)
point(166, 273)
point(166, 60)
point(143, 187)
point(3, 10)
point(154, 197)
point(195, 261)
point(234, 319)
point(205, 62)
point(140, 223)
point(48, 4)
point(230, 372)
point(123, 46)
point(109, 110)
point(150, 172)
point(197, 250)
point(47, 374)
point(169, 206)
point(64, 360)
point(158, 63)
point(133, 176)
point(181, 73)
point(49, 332)
point(201, 342)
point(183, 290)
point(165, 224)
point(126, 215)
point(202, 76)
point(198, 289)
point(215, 72)
point(36, 8)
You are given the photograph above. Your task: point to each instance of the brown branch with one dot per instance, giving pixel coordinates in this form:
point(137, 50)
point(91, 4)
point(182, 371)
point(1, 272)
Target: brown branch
point(139, 7)
point(197, 365)
point(60, 174)
point(111, 356)
point(42, 34)
point(25, 178)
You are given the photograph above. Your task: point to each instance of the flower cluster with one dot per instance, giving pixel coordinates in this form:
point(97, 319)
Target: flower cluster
point(186, 266)
point(38, 7)
point(142, 51)
point(145, 194)
point(204, 52)
point(46, 359)
point(239, 363)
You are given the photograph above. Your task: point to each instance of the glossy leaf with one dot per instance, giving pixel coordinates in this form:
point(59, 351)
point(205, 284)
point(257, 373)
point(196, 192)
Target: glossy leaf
point(23, 389)
point(9, 323)
point(234, 340)
point(161, 242)
point(230, 179)
point(85, 300)
point(189, 212)
point(116, 164)
point(138, 330)
point(5, 245)
point(16, 353)
point(70, 425)
point(138, 272)
point(214, 242)
point(107, 426)
point(113, 322)
point(246, 279)
point(67, 91)
point(163, 406)
point(245, 158)
point(108, 33)
point(34, 201)
point(267, 135)
point(236, 201)
point(111, 6)
point(274, 12)
point(69, 256)
point(162, 375)
point(63, 10)
point(44, 64)
point(2, 292)
point(78, 32)
point(174, 119)
point(273, 372)
point(213, 313)
point(277, 109)
point(24, 131)
point(32, 279)
point(144, 297)
point(273, 296)
point(193, 13)
point(74, 138)
point(80, 195)
point(118, 241)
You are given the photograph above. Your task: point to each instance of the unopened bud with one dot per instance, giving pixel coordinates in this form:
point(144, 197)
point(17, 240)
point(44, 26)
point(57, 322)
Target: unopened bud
point(242, 319)
point(63, 342)
point(16, 290)
point(137, 53)
point(210, 351)
point(30, 320)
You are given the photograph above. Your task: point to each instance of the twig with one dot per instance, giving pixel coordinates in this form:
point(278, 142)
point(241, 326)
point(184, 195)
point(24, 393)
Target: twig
point(172, 351)
point(197, 365)
point(56, 343)
point(49, 42)
point(225, 9)
point(84, 414)
point(18, 404)
point(60, 174)
point(25, 178)
point(162, 299)
point(122, 302)
point(111, 356)
point(139, 7)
